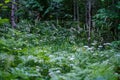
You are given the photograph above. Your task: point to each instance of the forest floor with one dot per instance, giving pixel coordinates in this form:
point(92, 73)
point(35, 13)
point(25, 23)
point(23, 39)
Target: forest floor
point(44, 56)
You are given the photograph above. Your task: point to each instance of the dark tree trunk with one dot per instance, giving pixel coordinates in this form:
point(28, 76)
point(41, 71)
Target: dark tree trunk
point(76, 10)
point(89, 19)
point(74, 5)
point(13, 7)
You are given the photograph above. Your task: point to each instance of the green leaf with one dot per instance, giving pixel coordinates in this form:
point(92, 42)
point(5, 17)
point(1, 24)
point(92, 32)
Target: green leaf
point(1, 4)
point(7, 1)
point(4, 7)
point(3, 21)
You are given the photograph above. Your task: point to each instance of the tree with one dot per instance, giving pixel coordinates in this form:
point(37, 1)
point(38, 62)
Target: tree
point(13, 13)
point(76, 10)
point(89, 18)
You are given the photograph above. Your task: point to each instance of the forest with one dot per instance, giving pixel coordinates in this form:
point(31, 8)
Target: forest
point(59, 39)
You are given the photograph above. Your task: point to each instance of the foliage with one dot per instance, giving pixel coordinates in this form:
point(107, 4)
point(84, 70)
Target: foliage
point(116, 45)
point(4, 21)
point(47, 44)
point(46, 53)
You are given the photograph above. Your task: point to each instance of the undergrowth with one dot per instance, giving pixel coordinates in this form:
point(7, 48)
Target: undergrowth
point(42, 52)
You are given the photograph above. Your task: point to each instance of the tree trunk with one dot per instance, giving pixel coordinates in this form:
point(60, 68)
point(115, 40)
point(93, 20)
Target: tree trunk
point(13, 14)
point(77, 14)
point(89, 19)
point(74, 5)
point(77, 10)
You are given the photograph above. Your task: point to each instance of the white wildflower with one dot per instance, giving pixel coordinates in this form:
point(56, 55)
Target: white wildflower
point(100, 46)
point(20, 49)
point(93, 43)
point(15, 48)
point(107, 44)
point(90, 48)
point(41, 61)
point(51, 73)
point(102, 55)
point(37, 69)
point(107, 55)
point(118, 55)
point(72, 58)
point(30, 57)
point(58, 71)
point(86, 46)
point(51, 56)
point(71, 64)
